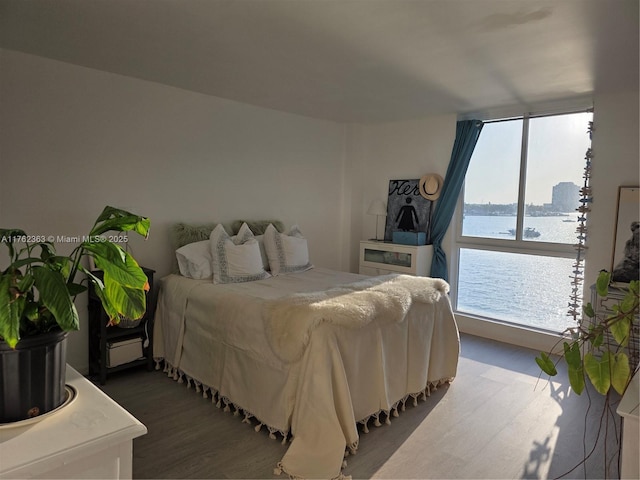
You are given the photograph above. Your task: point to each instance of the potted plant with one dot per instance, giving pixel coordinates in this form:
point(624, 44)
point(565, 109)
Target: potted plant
point(37, 293)
point(596, 347)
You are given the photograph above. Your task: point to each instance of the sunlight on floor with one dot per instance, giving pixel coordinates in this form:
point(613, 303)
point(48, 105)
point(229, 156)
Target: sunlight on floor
point(509, 428)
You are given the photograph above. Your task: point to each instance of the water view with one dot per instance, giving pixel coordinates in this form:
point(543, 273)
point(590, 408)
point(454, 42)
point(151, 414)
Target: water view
point(561, 229)
point(524, 289)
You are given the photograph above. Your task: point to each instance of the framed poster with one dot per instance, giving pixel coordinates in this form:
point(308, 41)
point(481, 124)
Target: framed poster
point(624, 260)
point(407, 209)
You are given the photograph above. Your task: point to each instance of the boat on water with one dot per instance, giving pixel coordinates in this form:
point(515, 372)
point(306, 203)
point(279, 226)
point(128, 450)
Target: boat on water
point(529, 232)
point(567, 220)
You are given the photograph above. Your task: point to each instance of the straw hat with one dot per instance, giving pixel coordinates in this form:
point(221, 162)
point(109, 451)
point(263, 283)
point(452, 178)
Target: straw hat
point(430, 186)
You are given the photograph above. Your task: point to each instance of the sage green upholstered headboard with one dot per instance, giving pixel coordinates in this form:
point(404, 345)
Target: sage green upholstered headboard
point(185, 233)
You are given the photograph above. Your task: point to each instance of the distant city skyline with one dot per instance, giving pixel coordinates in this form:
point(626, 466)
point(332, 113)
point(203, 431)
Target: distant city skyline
point(565, 196)
point(556, 154)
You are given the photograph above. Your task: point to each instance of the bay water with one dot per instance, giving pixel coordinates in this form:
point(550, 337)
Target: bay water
point(529, 290)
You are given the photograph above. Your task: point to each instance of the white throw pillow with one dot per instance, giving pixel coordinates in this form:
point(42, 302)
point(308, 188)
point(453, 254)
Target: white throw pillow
point(287, 253)
point(263, 252)
point(245, 233)
point(236, 259)
point(194, 260)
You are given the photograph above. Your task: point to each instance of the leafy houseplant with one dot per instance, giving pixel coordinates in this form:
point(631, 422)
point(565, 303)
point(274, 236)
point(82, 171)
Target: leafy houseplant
point(606, 365)
point(595, 349)
point(38, 288)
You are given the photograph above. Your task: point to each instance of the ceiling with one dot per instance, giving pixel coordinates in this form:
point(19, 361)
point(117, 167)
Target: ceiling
point(345, 60)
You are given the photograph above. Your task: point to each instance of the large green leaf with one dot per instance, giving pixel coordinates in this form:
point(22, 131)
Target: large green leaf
point(628, 302)
point(130, 274)
point(47, 250)
point(107, 305)
point(602, 283)
point(620, 372)
point(111, 212)
point(98, 287)
point(588, 310)
point(55, 296)
point(115, 219)
point(576, 379)
point(119, 224)
point(575, 367)
point(25, 283)
point(129, 302)
point(546, 365)
point(10, 312)
point(572, 354)
point(620, 330)
point(26, 261)
point(124, 282)
point(104, 252)
point(8, 236)
point(599, 371)
point(62, 264)
point(118, 264)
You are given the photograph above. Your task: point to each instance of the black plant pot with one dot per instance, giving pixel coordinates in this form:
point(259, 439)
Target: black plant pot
point(32, 377)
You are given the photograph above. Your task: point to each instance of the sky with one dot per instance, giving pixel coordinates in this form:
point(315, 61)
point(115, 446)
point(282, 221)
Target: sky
point(556, 153)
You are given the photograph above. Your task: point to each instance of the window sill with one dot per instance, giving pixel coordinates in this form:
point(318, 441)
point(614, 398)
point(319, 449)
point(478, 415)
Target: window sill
point(508, 333)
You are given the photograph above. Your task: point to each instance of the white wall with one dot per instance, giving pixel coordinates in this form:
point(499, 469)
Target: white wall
point(75, 139)
point(616, 163)
point(398, 150)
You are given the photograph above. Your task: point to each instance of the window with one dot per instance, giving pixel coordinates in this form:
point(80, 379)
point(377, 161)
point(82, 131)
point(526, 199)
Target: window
point(515, 250)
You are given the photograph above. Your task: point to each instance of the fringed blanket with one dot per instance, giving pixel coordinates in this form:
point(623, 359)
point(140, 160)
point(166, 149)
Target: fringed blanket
point(309, 355)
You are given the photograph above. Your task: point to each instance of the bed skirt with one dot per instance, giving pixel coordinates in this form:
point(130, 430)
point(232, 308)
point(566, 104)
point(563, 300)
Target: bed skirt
point(377, 419)
point(345, 376)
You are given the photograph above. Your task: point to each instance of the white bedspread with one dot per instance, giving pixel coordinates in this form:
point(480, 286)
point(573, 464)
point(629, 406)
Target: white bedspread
point(320, 377)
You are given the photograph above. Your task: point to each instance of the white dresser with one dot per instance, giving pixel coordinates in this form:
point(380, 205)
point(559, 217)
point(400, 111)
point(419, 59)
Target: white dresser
point(629, 410)
point(381, 258)
point(91, 437)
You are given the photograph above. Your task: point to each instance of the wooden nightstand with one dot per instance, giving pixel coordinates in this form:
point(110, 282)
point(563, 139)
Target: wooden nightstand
point(381, 258)
point(107, 343)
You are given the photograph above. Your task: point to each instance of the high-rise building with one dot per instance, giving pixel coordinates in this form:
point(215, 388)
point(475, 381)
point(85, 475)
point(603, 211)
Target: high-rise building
point(565, 196)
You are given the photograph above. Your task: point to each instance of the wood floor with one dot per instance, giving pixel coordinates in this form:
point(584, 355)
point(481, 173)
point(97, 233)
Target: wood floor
point(494, 421)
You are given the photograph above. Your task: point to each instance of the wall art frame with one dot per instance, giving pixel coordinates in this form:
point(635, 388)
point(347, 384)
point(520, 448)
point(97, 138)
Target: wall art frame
point(407, 209)
point(626, 241)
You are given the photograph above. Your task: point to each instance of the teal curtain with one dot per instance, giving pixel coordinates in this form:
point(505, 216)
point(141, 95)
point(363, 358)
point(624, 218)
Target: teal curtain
point(467, 134)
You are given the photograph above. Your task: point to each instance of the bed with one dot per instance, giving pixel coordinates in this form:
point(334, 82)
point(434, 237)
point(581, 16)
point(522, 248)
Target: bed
point(309, 354)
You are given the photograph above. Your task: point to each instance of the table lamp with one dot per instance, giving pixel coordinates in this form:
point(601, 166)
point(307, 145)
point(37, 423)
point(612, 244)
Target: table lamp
point(379, 209)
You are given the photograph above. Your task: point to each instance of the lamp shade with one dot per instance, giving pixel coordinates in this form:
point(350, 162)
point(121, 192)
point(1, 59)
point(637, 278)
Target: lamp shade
point(377, 207)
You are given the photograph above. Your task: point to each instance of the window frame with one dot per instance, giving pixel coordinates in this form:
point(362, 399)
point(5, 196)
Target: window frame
point(517, 245)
